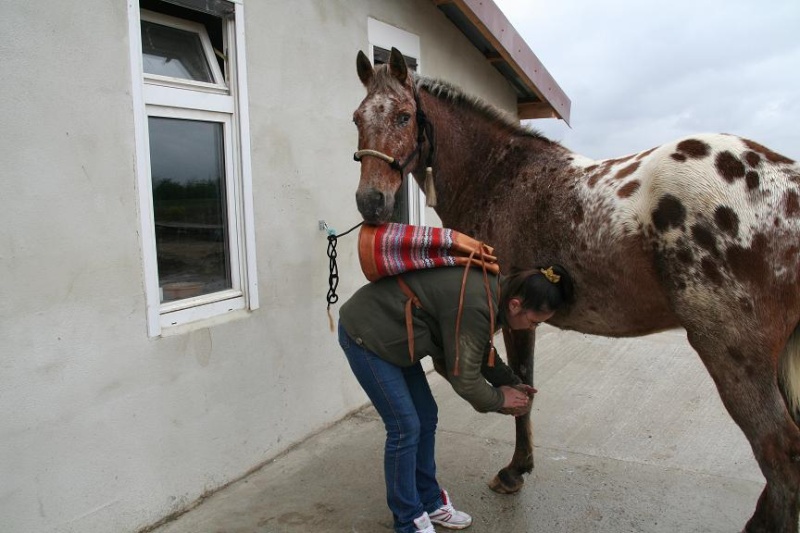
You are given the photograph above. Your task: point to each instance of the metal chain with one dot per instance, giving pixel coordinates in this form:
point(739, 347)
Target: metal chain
point(333, 269)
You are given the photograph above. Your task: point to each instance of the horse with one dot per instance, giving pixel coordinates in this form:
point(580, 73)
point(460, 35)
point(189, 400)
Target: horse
point(701, 233)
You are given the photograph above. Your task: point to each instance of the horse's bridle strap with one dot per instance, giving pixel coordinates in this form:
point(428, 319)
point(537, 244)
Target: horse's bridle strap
point(393, 163)
point(374, 153)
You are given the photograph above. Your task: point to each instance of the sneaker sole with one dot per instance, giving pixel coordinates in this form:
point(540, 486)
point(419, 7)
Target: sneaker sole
point(448, 525)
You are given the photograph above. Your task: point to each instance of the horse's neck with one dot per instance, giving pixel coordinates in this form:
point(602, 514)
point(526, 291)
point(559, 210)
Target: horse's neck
point(463, 164)
point(475, 159)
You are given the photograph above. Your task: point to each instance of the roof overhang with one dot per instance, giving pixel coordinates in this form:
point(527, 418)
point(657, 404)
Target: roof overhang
point(482, 22)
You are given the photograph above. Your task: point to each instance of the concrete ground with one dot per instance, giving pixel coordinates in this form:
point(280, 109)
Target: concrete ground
point(630, 436)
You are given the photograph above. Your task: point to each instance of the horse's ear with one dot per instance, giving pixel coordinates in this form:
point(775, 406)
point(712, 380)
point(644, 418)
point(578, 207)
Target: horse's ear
point(397, 65)
point(364, 68)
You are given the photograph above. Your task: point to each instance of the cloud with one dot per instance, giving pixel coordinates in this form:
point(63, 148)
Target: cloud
point(641, 73)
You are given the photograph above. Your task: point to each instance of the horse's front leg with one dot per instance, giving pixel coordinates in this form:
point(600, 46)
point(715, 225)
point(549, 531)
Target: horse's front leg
point(519, 351)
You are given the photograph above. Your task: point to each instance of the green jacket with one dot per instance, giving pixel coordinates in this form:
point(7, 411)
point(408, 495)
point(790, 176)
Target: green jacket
point(375, 318)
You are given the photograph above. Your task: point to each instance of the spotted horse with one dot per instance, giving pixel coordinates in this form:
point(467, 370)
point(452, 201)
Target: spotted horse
point(701, 233)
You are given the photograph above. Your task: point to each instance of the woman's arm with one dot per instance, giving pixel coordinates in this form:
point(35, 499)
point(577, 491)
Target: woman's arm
point(500, 374)
point(465, 371)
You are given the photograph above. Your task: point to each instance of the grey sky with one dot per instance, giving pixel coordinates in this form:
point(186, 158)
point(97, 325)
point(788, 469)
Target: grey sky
point(643, 73)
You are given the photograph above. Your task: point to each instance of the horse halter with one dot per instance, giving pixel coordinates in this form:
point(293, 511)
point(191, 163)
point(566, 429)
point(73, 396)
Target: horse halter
point(424, 130)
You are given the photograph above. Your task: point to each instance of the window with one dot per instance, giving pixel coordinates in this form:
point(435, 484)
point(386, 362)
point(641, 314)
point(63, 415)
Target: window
point(190, 208)
point(382, 38)
point(193, 162)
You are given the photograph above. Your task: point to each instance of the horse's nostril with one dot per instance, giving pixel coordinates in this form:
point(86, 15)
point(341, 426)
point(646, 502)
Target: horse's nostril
point(376, 198)
point(371, 201)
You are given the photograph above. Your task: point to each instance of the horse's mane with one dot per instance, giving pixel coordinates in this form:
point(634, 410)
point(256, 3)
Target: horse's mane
point(447, 91)
point(384, 80)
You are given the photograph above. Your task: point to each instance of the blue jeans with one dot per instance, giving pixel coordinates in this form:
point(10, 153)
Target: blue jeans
point(403, 399)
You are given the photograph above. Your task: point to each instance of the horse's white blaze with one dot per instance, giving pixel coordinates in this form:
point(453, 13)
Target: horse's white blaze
point(375, 110)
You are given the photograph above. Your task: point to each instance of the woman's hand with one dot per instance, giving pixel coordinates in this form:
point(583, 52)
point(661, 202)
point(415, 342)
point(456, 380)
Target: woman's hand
point(527, 389)
point(516, 400)
point(513, 397)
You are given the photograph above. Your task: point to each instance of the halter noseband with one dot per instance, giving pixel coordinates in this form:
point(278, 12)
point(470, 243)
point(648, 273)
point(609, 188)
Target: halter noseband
point(424, 129)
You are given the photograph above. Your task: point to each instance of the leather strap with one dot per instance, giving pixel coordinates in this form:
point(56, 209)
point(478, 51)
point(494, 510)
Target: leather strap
point(412, 300)
point(479, 250)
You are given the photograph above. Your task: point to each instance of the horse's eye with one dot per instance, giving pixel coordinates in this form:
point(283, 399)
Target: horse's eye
point(403, 118)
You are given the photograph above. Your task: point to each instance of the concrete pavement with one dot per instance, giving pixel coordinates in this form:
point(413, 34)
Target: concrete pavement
point(630, 436)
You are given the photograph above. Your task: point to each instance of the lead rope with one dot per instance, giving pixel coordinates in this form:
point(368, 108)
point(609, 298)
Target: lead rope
point(333, 270)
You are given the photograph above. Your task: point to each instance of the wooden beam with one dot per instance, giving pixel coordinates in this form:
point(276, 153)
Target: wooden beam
point(528, 110)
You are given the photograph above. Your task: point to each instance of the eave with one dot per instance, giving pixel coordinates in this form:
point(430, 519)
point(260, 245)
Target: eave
point(488, 29)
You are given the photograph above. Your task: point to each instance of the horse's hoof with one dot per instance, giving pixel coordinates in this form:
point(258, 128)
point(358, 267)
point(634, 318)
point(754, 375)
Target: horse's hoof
point(507, 482)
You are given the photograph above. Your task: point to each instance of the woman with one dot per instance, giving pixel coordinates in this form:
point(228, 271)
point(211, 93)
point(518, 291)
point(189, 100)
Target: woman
point(377, 340)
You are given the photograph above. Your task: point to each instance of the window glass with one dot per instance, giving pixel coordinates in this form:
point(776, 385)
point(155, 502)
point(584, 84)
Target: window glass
point(174, 52)
point(188, 173)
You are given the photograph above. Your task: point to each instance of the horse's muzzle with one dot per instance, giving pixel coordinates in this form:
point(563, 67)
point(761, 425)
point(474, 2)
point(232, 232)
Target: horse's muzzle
point(375, 207)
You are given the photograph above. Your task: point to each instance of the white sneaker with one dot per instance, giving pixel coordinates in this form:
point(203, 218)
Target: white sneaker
point(447, 516)
point(423, 524)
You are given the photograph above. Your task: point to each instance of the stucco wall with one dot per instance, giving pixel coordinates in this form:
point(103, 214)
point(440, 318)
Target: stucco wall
point(102, 428)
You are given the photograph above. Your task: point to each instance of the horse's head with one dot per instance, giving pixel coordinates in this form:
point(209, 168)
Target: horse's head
point(389, 142)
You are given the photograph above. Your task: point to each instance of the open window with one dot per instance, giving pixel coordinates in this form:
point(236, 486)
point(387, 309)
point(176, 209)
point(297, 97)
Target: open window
point(177, 52)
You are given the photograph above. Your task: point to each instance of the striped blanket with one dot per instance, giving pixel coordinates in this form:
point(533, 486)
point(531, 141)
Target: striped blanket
point(392, 249)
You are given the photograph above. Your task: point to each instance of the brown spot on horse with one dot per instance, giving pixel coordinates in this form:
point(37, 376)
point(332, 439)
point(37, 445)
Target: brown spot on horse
point(727, 220)
point(729, 166)
point(704, 237)
point(684, 255)
point(772, 157)
point(752, 180)
point(627, 190)
point(598, 174)
point(644, 154)
point(791, 203)
point(752, 158)
point(694, 148)
point(670, 213)
point(626, 171)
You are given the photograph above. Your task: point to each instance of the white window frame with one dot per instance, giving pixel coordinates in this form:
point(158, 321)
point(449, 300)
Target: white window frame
point(165, 96)
point(230, 207)
point(386, 36)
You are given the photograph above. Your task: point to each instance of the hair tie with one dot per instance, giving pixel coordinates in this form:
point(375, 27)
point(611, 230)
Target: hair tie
point(551, 276)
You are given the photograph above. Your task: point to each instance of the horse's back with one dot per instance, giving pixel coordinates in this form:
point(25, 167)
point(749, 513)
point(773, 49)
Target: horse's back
point(722, 216)
point(703, 174)
point(696, 226)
